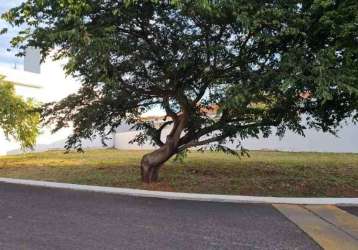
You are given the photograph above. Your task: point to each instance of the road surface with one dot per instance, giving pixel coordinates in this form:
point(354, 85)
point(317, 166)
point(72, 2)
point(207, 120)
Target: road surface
point(44, 218)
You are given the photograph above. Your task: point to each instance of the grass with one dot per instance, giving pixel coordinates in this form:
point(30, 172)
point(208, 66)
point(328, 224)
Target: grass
point(264, 173)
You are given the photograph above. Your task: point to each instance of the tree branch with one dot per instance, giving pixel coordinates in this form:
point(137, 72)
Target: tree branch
point(204, 142)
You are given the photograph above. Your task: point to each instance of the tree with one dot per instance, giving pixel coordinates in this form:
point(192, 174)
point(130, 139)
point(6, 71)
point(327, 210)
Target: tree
point(268, 66)
point(18, 117)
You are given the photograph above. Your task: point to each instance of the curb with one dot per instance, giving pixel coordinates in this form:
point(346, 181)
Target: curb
point(186, 196)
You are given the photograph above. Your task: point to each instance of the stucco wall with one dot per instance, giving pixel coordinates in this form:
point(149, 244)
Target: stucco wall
point(314, 141)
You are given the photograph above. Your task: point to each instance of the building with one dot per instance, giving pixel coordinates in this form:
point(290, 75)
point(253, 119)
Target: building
point(48, 83)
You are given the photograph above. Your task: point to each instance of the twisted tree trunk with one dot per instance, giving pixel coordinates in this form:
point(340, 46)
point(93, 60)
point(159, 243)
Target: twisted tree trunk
point(152, 162)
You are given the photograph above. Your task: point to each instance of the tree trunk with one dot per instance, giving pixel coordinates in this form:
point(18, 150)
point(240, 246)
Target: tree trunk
point(151, 163)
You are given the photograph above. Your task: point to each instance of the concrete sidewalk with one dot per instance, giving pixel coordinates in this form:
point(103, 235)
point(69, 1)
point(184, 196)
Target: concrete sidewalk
point(332, 228)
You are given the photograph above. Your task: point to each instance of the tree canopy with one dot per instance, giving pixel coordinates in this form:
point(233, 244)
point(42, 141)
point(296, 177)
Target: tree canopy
point(18, 118)
point(263, 64)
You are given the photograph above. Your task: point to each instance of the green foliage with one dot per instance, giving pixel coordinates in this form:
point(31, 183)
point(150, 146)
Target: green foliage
point(18, 118)
point(181, 156)
point(270, 66)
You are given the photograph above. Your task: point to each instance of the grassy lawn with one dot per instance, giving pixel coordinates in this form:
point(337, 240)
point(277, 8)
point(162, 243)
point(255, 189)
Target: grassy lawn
point(264, 173)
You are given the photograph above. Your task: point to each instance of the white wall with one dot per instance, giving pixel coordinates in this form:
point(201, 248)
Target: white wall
point(313, 142)
point(32, 60)
point(122, 140)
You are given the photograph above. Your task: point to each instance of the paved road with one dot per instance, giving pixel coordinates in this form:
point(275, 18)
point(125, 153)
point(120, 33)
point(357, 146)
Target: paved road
point(351, 210)
point(40, 218)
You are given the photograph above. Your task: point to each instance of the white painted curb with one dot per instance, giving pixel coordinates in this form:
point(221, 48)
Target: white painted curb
point(187, 196)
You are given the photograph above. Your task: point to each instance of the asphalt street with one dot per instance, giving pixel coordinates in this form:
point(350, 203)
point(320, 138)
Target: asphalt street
point(44, 218)
point(351, 210)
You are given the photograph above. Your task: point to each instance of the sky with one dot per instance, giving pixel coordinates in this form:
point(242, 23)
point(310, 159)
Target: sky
point(8, 59)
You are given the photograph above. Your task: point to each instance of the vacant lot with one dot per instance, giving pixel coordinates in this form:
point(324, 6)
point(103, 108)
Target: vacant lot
point(263, 173)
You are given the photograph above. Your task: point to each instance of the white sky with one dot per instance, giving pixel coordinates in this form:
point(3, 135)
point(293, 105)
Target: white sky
point(8, 59)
